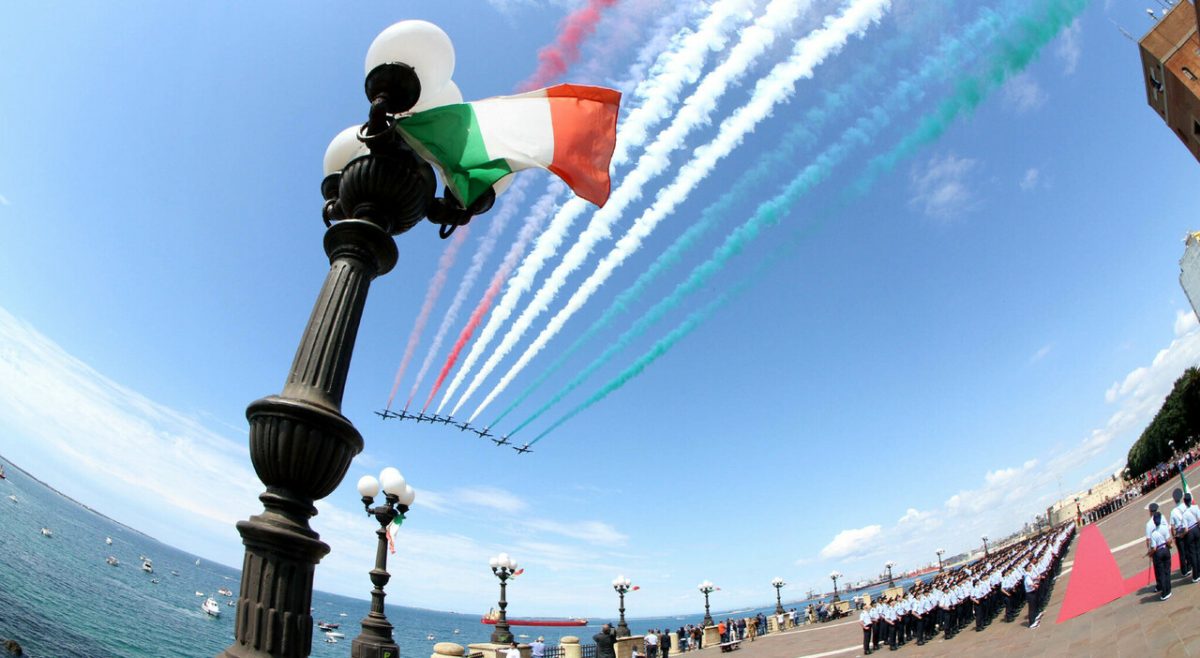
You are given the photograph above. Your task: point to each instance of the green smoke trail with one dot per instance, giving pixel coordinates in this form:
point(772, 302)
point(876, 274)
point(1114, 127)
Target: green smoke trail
point(801, 135)
point(1033, 32)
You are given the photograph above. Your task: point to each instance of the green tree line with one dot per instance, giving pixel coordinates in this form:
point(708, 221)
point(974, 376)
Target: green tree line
point(1178, 421)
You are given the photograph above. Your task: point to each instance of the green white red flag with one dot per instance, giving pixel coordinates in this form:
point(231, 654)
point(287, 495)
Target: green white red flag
point(570, 130)
point(392, 529)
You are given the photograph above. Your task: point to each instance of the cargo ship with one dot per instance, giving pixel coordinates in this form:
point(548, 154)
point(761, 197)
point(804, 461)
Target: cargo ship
point(493, 615)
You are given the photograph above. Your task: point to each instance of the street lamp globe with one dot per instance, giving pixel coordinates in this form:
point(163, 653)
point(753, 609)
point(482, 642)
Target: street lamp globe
point(778, 584)
point(418, 46)
point(368, 486)
point(504, 568)
point(621, 585)
point(376, 636)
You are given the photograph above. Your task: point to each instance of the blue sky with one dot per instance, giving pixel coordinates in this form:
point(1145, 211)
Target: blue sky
point(1000, 312)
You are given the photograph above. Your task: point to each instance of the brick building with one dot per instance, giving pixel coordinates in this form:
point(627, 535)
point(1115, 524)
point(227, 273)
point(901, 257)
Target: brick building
point(1171, 67)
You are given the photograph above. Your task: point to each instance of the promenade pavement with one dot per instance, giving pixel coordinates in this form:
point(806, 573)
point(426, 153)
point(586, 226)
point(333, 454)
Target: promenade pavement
point(1137, 624)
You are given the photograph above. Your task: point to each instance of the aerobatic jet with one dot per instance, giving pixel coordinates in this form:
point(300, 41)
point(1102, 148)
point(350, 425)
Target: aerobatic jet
point(421, 416)
point(502, 441)
point(462, 427)
point(386, 414)
point(483, 433)
point(403, 415)
point(448, 420)
point(435, 419)
point(522, 449)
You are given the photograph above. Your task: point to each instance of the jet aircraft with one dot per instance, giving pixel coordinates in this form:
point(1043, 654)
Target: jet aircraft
point(502, 441)
point(386, 414)
point(522, 449)
point(462, 427)
point(483, 433)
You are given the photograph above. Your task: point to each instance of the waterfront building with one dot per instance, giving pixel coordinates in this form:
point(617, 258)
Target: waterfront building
point(1171, 67)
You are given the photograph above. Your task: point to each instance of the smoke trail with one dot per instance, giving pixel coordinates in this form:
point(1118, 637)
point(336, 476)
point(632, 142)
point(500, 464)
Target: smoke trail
point(659, 43)
point(696, 111)
point(553, 60)
point(1034, 32)
point(511, 202)
point(801, 135)
point(774, 88)
point(434, 290)
point(533, 224)
point(673, 70)
point(952, 54)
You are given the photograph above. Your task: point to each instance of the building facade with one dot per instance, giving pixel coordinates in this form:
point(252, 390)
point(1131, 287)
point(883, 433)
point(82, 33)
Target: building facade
point(1171, 67)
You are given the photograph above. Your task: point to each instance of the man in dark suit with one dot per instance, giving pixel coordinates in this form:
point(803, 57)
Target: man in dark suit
point(605, 641)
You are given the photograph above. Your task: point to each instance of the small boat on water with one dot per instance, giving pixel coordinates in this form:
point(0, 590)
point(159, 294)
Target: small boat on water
point(108, 540)
point(335, 635)
point(429, 637)
point(210, 606)
point(174, 572)
point(225, 591)
point(342, 614)
point(326, 626)
point(456, 631)
point(199, 593)
point(13, 498)
point(197, 562)
point(112, 561)
point(147, 566)
point(229, 603)
point(47, 533)
point(153, 581)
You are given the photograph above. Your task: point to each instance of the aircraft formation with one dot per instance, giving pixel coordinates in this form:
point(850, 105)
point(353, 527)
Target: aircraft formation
point(484, 433)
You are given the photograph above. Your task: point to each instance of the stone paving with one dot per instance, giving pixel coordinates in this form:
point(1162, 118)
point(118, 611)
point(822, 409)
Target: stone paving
point(1138, 624)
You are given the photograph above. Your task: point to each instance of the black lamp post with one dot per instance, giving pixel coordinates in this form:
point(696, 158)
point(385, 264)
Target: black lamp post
point(940, 552)
point(985, 538)
point(778, 584)
point(300, 443)
point(375, 640)
point(888, 566)
point(707, 588)
point(504, 568)
point(621, 585)
point(834, 577)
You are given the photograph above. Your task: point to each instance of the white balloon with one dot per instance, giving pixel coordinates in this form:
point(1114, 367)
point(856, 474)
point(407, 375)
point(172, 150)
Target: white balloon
point(420, 44)
point(447, 95)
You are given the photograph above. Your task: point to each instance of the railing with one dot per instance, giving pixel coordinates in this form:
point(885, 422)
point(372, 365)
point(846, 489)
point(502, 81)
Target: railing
point(587, 650)
point(554, 651)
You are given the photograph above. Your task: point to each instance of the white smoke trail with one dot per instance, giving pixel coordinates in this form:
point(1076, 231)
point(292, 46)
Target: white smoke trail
point(776, 87)
point(696, 111)
point(510, 203)
point(674, 70)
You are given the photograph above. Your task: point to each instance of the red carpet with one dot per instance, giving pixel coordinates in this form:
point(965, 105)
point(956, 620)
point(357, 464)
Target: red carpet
point(1095, 577)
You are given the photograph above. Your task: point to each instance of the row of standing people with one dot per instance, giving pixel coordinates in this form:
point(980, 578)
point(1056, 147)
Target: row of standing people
point(1019, 574)
point(1180, 529)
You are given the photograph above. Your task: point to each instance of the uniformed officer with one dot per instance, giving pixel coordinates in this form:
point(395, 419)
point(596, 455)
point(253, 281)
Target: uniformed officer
point(1031, 595)
point(876, 623)
point(1193, 519)
point(1159, 538)
point(864, 618)
point(1179, 532)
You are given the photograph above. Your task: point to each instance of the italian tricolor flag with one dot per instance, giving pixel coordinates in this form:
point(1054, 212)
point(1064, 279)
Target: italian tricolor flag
point(569, 129)
point(392, 529)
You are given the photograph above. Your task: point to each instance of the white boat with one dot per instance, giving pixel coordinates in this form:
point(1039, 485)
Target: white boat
point(112, 561)
point(197, 562)
point(147, 567)
point(229, 603)
point(456, 631)
point(108, 540)
point(46, 532)
point(13, 498)
point(199, 593)
point(210, 606)
point(225, 591)
point(429, 637)
point(331, 640)
point(153, 581)
point(342, 614)
point(335, 635)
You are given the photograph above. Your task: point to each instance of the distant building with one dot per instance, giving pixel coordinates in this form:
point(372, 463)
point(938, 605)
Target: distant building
point(1171, 67)
point(1189, 271)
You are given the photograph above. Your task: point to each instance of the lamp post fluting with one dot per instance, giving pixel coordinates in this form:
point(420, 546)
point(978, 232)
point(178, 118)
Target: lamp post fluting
point(940, 552)
point(707, 588)
point(778, 584)
point(834, 577)
point(888, 566)
point(622, 584)
point(300, 444)
point(375, 640)
point(504, 567)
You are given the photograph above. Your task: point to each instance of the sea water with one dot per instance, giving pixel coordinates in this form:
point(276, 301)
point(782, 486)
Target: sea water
point(59, 598)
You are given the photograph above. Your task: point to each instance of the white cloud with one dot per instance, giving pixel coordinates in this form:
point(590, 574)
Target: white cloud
point(1185, 321)
point(1023, 94)
point(1042, 353)
point(1030, 180)
point(856, 542)
point(1070, 47)
point(940, 189)
point(592, 532)
point(4, 201)
point(1009, 496)
point(491, 498)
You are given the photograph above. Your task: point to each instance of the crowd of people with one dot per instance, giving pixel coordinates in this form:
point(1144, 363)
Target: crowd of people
point(1106, 507)
point(1016, 575)
point(1167, 470)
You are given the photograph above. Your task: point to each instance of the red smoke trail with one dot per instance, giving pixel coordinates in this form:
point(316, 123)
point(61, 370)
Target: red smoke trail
point(553, 60)
point(431, 296)
point(481, 310)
